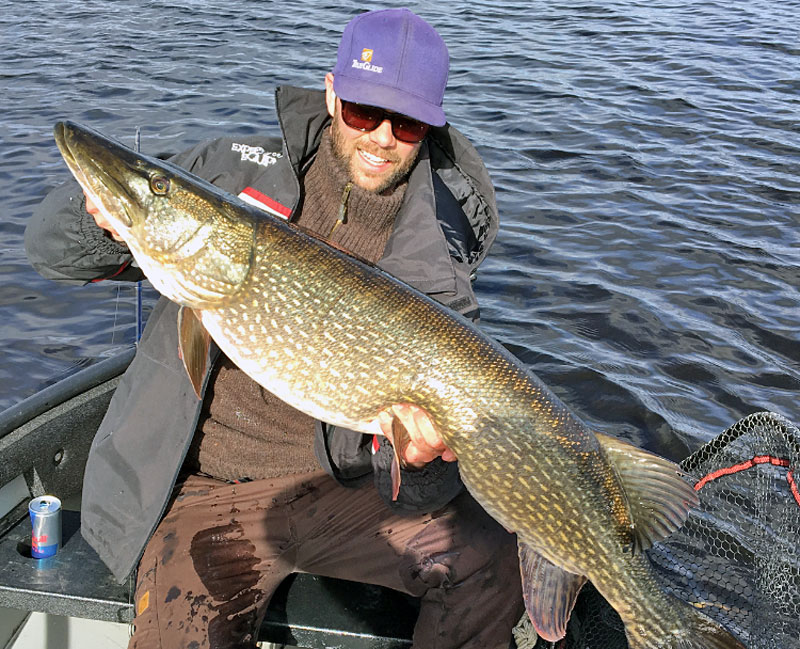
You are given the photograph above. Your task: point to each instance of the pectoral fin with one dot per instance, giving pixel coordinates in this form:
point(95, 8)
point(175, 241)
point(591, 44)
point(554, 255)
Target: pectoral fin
point(549, 593)
point(193, 344)
point(400, 440)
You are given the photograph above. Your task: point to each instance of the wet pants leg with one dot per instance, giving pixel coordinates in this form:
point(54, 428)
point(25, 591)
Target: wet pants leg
point(221, 551)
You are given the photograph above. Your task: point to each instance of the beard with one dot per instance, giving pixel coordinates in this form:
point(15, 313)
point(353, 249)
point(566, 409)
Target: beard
point(345, 150)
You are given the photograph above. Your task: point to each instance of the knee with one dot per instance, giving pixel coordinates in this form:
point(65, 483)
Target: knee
point(477, 550)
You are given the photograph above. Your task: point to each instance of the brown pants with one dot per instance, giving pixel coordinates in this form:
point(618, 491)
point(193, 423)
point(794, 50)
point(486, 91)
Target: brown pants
point(208, 572)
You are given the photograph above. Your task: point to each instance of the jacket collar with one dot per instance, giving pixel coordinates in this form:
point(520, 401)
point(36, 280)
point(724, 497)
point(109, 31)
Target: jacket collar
point(303, 117)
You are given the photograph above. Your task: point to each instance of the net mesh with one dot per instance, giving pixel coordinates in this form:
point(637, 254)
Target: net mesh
point(737, 557)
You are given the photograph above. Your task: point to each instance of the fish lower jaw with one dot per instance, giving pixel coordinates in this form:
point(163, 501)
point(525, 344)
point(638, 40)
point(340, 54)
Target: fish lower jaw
point(179, 294)
point(188, 294)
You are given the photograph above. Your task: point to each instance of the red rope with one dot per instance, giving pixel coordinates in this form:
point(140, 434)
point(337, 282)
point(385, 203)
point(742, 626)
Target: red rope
point(117, 272)
point(749, 464)
point(793, 486)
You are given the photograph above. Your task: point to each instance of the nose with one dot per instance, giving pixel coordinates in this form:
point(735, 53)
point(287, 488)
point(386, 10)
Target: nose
point(383, 136)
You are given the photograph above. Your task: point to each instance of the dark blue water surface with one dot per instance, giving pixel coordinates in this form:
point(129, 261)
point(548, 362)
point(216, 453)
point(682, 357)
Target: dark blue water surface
point(646, 157)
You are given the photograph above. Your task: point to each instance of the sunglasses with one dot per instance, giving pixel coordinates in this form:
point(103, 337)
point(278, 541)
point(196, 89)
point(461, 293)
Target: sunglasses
point(368, 118)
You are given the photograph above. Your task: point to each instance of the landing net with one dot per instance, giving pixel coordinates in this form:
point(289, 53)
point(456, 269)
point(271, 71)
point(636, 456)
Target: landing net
point(737, 557)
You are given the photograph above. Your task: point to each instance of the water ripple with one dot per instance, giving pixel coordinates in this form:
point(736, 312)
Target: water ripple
point(646, 158)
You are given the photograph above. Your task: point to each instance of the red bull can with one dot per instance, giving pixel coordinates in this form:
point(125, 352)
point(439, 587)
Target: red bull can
point(45, 514)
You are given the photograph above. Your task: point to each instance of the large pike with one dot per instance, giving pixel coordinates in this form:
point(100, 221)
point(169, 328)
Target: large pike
point(343, 341)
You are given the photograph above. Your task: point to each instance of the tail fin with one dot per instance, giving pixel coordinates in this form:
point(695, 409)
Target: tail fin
point(697, 632)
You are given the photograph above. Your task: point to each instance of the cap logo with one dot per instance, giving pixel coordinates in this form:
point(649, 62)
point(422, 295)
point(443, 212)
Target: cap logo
point(366, 62)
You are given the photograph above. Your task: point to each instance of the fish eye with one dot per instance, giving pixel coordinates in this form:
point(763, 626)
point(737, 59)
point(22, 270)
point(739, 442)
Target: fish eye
point(159, 185)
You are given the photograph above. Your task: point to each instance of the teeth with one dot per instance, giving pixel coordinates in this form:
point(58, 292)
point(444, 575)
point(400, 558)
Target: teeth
point(373, 158)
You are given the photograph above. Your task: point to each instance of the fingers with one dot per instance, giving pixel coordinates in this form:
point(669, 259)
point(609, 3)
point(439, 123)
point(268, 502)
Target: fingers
point(449, 456)
point(425, 443)
point(101, 221)
point(420, 427)
point(90, 206)
point(385, 420)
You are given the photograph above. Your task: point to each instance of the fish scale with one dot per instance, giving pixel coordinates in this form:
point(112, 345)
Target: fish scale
point(342, 341)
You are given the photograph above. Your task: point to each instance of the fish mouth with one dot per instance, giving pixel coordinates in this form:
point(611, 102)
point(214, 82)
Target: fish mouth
point(96, 162)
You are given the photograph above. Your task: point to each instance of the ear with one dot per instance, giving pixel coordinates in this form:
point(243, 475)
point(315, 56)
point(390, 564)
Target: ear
point(330, 95)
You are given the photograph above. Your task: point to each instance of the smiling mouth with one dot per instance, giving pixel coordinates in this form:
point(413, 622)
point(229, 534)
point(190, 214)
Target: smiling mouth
point(372, 159)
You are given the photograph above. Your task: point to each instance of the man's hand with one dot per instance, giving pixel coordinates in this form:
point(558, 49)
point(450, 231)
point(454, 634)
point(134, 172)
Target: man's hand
point(100, 219)
point(425, 443)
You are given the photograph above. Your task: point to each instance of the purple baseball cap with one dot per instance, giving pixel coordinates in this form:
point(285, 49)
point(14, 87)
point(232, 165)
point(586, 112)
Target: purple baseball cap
point(393, 59)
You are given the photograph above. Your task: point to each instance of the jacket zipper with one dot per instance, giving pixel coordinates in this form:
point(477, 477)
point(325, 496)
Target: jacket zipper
point(341, 218)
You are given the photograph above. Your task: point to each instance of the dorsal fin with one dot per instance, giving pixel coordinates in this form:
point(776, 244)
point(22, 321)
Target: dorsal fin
point(658, 496)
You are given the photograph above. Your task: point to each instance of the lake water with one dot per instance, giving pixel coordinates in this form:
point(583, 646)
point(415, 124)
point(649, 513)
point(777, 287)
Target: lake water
point(646, 158)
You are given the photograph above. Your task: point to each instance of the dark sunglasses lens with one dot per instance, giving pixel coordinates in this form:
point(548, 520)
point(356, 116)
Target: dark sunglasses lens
point(409, 130)
point(364, 118)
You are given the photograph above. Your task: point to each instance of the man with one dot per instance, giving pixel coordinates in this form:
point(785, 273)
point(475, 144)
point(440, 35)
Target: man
point(218, 501)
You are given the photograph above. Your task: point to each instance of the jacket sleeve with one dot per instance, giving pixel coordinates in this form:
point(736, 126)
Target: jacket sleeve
point(64, 243)
point(347, 456)
point(425, 489)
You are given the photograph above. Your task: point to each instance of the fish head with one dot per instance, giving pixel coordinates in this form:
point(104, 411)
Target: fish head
point(190, 242)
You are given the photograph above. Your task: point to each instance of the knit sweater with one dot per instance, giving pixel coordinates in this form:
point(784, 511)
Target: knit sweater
point(244, 431)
